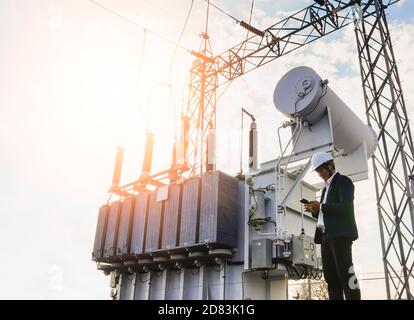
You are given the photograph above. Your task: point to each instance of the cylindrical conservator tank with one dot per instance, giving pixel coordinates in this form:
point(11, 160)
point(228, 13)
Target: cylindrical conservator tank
point(302, 91)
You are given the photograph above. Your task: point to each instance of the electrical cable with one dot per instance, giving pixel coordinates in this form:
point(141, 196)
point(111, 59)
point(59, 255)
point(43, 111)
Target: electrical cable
point(300, 97)
point(208, 9)
point(222, 11)
point(138, 25)
point(250, 19)
point(316, 274)
point(247, 36)
point(172, 62)
point(365, 279)
point(140, 67)
point(294, 272)
point(224, 90)
point(293, 146)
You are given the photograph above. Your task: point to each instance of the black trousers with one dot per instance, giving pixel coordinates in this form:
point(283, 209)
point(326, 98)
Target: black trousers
point(338, 268)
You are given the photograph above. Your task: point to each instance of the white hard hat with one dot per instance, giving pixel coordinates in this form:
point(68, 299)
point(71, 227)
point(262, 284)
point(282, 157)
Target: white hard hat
point(320, 158)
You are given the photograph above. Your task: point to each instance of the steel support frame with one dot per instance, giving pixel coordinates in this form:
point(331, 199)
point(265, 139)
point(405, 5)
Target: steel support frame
point(393, 161)
point(201, 106)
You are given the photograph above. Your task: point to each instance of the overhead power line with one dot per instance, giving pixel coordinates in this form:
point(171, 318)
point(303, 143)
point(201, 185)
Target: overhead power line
point(322, 281)
point(138, 25)
point(208, 9)
point(222, 11)
point(250, 20)
point(173, 57)
point(251, 12)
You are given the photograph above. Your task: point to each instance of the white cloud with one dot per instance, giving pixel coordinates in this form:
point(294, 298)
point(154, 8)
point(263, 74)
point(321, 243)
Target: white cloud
point(400, 3)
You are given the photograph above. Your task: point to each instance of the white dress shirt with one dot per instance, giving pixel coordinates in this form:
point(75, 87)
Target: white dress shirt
point(321, 223)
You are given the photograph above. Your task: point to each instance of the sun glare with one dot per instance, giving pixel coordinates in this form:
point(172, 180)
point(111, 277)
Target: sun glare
point(156, 107)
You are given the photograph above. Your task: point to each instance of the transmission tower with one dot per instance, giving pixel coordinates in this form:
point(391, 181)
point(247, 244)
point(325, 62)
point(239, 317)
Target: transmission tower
point(393, 162)
point(201, 107)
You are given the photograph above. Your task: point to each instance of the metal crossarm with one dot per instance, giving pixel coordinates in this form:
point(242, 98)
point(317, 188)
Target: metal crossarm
point(292, 33)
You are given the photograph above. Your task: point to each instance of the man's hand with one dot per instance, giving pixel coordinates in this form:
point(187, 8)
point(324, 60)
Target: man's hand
point(312, 206)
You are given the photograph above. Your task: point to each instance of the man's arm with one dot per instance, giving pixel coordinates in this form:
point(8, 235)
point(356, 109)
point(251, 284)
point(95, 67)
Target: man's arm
point(346, 197)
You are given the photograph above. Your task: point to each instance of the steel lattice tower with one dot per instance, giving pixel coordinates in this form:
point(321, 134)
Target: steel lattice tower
point(201, 107)
point(393, 162)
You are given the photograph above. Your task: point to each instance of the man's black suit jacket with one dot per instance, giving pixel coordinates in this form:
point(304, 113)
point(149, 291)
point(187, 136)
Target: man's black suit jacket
point(338, 210)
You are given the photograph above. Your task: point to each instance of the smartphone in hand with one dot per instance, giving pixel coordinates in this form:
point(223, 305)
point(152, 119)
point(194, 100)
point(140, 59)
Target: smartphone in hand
point(304, 201)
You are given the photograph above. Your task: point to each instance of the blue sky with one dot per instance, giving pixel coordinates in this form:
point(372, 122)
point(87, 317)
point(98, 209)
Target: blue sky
point(403, 12)
point(70, 91)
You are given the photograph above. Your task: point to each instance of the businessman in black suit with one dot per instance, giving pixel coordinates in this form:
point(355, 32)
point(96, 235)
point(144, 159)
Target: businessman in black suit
point(336, 229)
